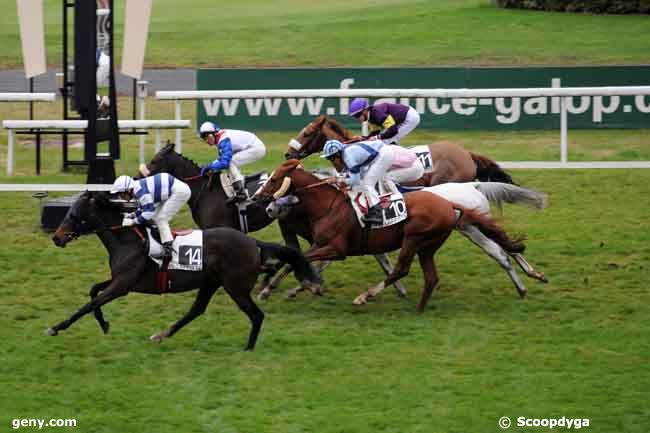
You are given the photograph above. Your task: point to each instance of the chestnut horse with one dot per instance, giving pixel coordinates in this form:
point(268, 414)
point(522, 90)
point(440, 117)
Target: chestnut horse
point(230, 259)
point(431, 219)
point(449, 161)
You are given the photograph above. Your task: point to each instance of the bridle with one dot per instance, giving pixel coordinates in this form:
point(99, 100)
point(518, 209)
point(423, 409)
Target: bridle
point(78, 222)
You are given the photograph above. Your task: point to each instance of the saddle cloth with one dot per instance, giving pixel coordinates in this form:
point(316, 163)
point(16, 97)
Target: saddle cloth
point(391, 202)
point(188, 250)
point(424, 156)
point(252, 182)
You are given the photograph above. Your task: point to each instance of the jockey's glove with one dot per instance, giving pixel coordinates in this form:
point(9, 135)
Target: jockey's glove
point(126, 222)
point(206, 170)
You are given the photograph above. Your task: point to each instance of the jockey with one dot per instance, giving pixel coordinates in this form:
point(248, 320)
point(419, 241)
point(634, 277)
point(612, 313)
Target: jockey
point(366, 163)
point(236, 148)
point(160, 197)
point(396, 120)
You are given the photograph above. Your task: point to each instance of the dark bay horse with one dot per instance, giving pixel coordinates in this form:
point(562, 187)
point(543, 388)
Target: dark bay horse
point(450, 162)
point(430, 221)
point(230, 259)
point(209, 209)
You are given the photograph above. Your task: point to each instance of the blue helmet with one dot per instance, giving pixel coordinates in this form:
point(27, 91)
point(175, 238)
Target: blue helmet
point(331, 148)
point(357, 106)
point(208, 128)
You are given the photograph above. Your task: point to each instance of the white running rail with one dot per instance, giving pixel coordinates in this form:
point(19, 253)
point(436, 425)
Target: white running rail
point(12, 125)
point(563, 92)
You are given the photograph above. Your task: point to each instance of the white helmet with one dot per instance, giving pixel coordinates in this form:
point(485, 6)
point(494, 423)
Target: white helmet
point(122, 183)
point(208, 128)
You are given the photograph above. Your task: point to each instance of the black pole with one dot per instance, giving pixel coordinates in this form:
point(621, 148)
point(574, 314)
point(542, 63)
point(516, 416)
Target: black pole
point(64, 88)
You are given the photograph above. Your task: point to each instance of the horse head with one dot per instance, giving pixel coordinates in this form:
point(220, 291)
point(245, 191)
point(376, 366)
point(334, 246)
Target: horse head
point(279, 183)
point(167, 160)
point(312, 137)
point(92, 211)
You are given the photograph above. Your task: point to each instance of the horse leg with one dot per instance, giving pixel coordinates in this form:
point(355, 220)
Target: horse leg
point(99, 316)
point(387, 267)
point(113, 291)
point(198, 307)
point(242, 297)
point(496, 252)
point(401, 270)
point(430, 272)
point(324, 254)
point(528, 268)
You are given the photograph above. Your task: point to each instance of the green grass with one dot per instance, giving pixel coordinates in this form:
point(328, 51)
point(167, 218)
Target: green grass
point(576, 347)
point(362, 33)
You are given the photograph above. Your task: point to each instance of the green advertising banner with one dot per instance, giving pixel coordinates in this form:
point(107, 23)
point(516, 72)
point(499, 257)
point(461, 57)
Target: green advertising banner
point(287, 114)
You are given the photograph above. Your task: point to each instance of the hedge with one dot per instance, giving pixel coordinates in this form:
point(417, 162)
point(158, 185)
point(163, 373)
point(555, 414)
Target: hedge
point(589, 6)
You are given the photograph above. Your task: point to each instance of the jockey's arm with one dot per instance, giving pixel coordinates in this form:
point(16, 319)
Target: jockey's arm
point(391, 128)
point(146, 210)
point(225, 156)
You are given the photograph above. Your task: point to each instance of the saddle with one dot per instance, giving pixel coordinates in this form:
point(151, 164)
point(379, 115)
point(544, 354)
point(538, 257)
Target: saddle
point(391, 201)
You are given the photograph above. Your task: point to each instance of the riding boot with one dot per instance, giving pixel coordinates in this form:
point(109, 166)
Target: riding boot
point(240, 192)
point(167, 251)
point(374, 216)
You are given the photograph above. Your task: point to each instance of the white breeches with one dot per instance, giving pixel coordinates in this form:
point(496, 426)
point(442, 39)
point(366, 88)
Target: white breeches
point(252, 153)
point(410, 123)
point(376, 172)
point(180, 195)
point(407, 174)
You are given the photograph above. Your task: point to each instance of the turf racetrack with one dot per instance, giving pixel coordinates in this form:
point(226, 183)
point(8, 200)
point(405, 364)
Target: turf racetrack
point(576, 347)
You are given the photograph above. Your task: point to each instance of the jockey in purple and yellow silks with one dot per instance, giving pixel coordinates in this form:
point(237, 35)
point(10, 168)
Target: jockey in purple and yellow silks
point(387, 122)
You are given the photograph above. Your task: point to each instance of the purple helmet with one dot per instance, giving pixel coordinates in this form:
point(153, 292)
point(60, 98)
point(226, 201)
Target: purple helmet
point(357, 106)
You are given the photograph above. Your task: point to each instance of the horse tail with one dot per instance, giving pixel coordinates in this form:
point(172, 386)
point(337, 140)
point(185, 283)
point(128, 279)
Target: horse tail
point(489, 171)
point(301, 267)
point(491, 229)
point(497, 193)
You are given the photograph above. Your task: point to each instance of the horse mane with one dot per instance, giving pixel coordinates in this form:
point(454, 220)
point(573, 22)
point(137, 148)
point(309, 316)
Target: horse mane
point(338, 128)
point(169, 147)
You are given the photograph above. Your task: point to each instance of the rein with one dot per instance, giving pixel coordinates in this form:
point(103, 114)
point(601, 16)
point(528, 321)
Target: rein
point(328, 181)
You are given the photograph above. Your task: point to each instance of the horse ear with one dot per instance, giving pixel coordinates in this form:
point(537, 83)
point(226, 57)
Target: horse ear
point(169, 146)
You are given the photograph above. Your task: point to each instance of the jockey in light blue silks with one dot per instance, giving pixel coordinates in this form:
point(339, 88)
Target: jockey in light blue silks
point(160, 197)
point(369, 162)
point(236, 148)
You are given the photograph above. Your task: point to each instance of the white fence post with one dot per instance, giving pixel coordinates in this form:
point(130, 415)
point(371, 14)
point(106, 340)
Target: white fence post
point(564, 151)
point(179, 145)
point(10, 153)
point(142, 95)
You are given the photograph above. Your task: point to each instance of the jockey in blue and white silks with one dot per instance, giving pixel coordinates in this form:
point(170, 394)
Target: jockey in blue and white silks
point(369, 162)
point(160, 197)
point(236, 148)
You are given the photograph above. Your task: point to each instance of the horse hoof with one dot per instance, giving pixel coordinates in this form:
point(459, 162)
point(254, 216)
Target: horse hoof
point(291, 294)
point(106, 327)
point(522, 293)
point(51, 332)
point(157, 338)
point(360, 300)
point(543, 278)
point(263, 295)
